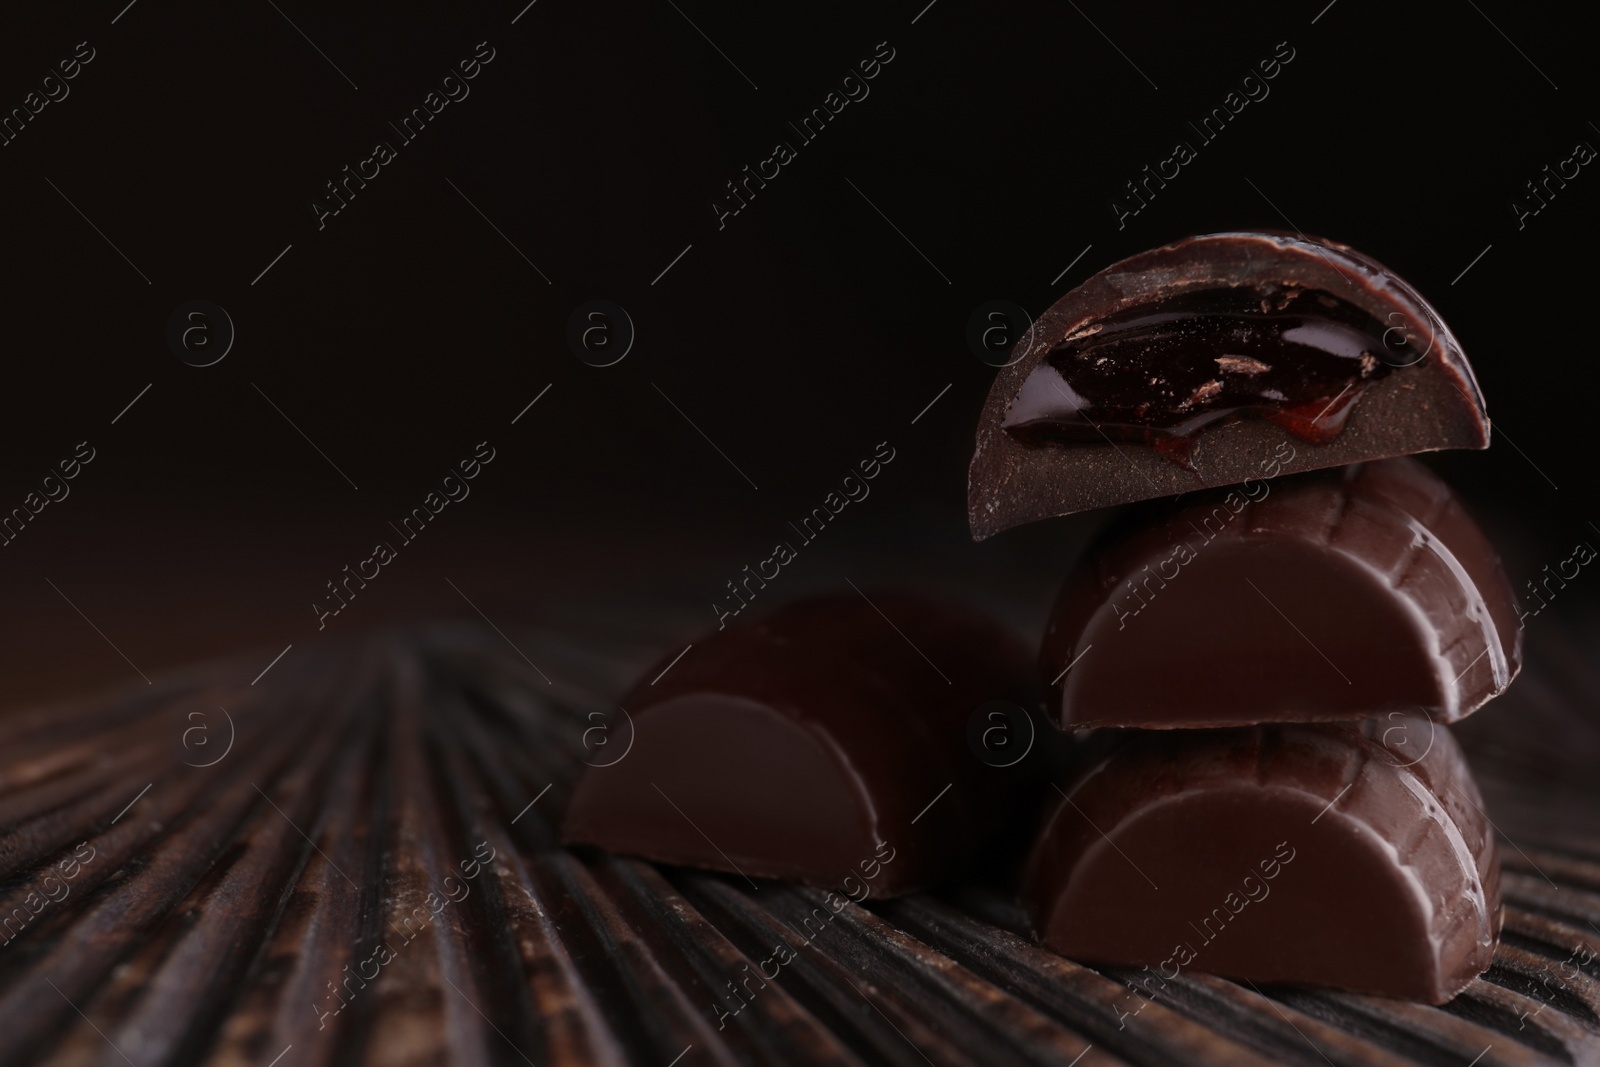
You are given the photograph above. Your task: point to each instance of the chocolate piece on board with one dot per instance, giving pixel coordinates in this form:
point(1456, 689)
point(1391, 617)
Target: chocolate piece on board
point(830, 739)
point(1351, 855)
point(1332, 595)
point(1191, 365)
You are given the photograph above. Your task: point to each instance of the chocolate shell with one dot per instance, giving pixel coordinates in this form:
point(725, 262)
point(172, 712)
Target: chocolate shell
point(1355, 856)
point(828, 741)
point(1331, 595)
point(1193, 365)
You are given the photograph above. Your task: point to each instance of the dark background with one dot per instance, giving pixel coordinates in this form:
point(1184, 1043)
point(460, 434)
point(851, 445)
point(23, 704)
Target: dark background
point(797, 337)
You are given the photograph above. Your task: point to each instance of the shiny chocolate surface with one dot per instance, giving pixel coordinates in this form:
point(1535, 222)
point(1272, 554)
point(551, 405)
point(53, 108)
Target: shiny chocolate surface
point(1355, 856)
point(1331, 595)
point(829, 740)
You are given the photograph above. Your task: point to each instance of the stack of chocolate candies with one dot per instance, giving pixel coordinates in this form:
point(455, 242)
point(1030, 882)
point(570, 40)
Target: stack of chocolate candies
point(1262, 660)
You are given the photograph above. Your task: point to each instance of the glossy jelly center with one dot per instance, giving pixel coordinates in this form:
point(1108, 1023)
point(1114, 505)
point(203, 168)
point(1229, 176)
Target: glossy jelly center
point(1158, 374)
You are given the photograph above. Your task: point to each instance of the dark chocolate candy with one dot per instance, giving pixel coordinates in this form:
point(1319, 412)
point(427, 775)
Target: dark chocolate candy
point(1191, 365)
point(819, 744)
point(1349, 855)
point(1332, 595)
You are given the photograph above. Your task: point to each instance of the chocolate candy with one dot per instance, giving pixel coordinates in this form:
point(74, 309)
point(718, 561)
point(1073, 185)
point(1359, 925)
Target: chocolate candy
point(1348, 855)
point(827, 741)
point(1197, 364)
point(1332, 595)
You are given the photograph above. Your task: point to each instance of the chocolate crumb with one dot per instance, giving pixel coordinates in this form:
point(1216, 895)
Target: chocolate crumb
point(1205, 392)
point(1241, 365)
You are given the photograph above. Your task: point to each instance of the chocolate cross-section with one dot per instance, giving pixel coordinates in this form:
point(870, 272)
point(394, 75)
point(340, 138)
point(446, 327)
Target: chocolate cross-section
point(1195, 364)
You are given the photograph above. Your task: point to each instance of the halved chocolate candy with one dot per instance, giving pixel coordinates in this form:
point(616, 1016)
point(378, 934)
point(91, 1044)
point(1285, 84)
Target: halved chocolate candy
point(1332, 595)
point(1355, 856)
point(1195, 364)
point(829, 740)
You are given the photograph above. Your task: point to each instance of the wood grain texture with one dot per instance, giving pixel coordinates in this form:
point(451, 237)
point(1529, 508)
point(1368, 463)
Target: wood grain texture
point(371, 876)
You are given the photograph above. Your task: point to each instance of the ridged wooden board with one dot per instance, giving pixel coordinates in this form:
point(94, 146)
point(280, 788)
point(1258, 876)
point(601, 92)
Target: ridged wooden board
point(371, 875)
